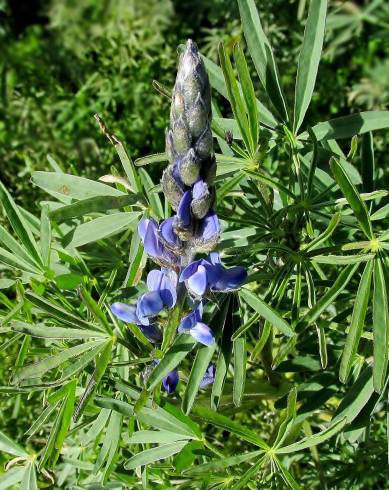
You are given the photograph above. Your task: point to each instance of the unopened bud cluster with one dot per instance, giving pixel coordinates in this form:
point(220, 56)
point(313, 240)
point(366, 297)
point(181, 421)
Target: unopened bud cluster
point(188, 180)
point(172, 244)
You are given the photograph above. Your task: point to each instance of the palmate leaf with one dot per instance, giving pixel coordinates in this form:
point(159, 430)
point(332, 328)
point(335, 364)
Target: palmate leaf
point(16, 249)
point(61, 425)
point(110, 445)
point(327, 299)
point(309, 59)
point(14, 262)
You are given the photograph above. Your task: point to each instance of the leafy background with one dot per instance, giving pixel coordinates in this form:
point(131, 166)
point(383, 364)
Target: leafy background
point(62, 62)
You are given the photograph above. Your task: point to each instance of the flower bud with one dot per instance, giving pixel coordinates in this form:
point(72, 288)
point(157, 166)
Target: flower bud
point(202, 199)
point(181, 135)
point(172, 185)
point(203, 147)
point(189, 168)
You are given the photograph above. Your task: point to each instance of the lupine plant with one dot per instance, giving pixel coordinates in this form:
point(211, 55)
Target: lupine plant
point(255, 353)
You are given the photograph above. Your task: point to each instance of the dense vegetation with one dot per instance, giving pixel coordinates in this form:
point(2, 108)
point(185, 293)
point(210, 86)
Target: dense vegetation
point(292, 393)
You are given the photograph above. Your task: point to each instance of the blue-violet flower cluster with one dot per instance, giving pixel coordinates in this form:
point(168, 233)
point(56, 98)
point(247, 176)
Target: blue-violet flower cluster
point(188, 185)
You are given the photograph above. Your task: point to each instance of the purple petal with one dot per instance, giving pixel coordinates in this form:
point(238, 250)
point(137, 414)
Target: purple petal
point(209, 376)
point(199, 189)
point(190, 320)
point(151, 243)
point(125, 312)
point(183, 210)
point(210, 227)
point(190, 270)
point(149, 304)
point(151, 332)
point(154, 280)
point(230, 279)
point(198, 282)
point(187, 322)
point(168, 289)
point(167, 233)
point(214, 258)
point(170, 382)
point(202, 333)
point(143, 226)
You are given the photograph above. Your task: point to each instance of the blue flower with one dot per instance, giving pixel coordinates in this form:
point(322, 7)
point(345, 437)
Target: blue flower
point(154, 246)
point(193, 325)
point(127, 313)
point(207, 234)
point(209, 376)
point(202, 275)
point(170, 382)
point(162, 293)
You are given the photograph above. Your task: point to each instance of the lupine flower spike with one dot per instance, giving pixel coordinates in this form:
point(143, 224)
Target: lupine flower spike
point(188, 185)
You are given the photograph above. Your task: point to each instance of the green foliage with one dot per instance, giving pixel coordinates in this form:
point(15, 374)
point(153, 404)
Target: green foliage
point(301, 352)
